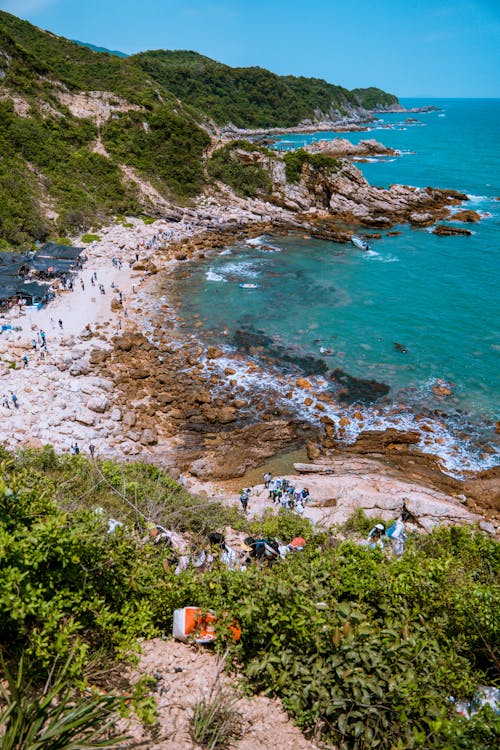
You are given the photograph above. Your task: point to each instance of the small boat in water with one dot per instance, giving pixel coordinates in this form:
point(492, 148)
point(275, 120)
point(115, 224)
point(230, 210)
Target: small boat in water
point(359, 242)
point(249, 286)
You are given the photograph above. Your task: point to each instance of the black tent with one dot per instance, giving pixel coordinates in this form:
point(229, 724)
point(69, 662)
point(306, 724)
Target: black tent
point(32, 292)
point(50, 266)
point(64, 252)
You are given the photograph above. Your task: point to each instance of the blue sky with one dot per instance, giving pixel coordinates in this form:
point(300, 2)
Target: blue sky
point(408, 47)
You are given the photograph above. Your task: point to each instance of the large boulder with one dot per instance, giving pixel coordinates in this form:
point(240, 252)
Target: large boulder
point(98, 403)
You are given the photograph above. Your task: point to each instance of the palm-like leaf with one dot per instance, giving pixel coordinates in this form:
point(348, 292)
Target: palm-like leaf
point(54, 719)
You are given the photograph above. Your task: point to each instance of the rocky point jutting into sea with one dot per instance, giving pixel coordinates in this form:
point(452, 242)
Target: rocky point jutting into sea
point(125, 380)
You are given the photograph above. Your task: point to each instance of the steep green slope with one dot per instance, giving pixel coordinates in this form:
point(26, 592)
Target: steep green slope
point(251, 97)
point(72, 118)
point(51, 160)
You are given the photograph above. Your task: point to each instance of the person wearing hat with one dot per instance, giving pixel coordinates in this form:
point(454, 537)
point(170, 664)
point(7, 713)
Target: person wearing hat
point(376, 536)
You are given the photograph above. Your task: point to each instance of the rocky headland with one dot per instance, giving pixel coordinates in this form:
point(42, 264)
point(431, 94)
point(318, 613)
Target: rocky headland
point(341, 147)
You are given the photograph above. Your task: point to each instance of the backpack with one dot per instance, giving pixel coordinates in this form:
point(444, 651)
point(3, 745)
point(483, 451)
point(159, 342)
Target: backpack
point(390, 531)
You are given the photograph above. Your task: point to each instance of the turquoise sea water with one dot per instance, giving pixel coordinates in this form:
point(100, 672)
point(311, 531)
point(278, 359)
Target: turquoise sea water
point(322, 306)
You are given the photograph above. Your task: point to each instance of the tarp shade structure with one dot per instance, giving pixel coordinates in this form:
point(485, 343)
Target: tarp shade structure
point(50, 266)
point(7, 289)
point(64, 252)
point(32, 290)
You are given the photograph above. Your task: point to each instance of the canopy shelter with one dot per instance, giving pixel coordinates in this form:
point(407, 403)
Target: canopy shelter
point(48, 266)
point(33, 292)
point(63, 252)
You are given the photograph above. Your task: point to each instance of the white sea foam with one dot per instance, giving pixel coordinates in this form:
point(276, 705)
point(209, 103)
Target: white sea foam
point(255, 241)
point(244, 269)
point(456, 455)
point(213, 276)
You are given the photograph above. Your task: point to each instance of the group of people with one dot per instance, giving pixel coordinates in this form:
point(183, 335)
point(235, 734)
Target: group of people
point(281, 492)
point(13, 398)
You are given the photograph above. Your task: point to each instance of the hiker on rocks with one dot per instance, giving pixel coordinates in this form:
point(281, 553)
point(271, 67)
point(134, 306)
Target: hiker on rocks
point(14, 400)
point(396, 533)
point(25, 361)
point(299, 508)
point(60, 324)
point(52, 323)
point(376, 536)
point(75, 450)
point(35, 344)
point(43, 337)
point(244, 500)
point(267, 479)
point(272, 490)
point(91, 450)
point(5, 402)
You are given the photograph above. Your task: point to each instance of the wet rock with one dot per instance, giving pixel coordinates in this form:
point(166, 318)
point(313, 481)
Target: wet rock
point(444, 230)
point(467, 215)
point(356, 390)
point(214, 352)
point(303, 383)
point(421, 219)
point(380, 441)
point(226, 415)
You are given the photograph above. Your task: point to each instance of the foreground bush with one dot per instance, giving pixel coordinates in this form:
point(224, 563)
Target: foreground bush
point(364, 650)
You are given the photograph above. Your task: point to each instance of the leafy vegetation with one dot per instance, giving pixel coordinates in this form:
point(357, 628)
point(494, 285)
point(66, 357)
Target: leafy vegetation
point(71, 168)
point(374, 98)
point(246, 176)
point(364, 650)
point(295, 160)
point(250, 97)
point(53, 718)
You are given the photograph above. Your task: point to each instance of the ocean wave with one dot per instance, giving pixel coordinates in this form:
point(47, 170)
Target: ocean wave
point(457, 456)
point(238, 269)
point(213, 276)
point(255, 241)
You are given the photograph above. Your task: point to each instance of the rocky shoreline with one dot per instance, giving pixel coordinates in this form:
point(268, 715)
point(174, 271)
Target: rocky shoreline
point(119, 377)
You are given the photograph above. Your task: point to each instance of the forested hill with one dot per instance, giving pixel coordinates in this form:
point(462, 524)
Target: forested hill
point(254, 97)
point(80, 129)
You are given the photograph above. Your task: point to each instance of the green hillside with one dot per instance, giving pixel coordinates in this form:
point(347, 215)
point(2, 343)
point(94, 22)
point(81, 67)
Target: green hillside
point(49, 161)
point(251, 97)
point(72, 118)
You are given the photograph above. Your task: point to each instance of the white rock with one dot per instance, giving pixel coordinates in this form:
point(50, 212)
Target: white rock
point(84, 416)
point(116, 415)
point(98, 403)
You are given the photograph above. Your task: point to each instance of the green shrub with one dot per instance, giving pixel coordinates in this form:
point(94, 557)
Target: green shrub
point(87, 238)
point(247, 180)
point(295, 160)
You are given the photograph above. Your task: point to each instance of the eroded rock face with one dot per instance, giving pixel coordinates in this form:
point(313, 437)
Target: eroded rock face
point(347, 195)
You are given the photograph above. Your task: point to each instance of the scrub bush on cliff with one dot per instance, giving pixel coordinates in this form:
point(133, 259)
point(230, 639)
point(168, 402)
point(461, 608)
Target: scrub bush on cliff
point(63, 580)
